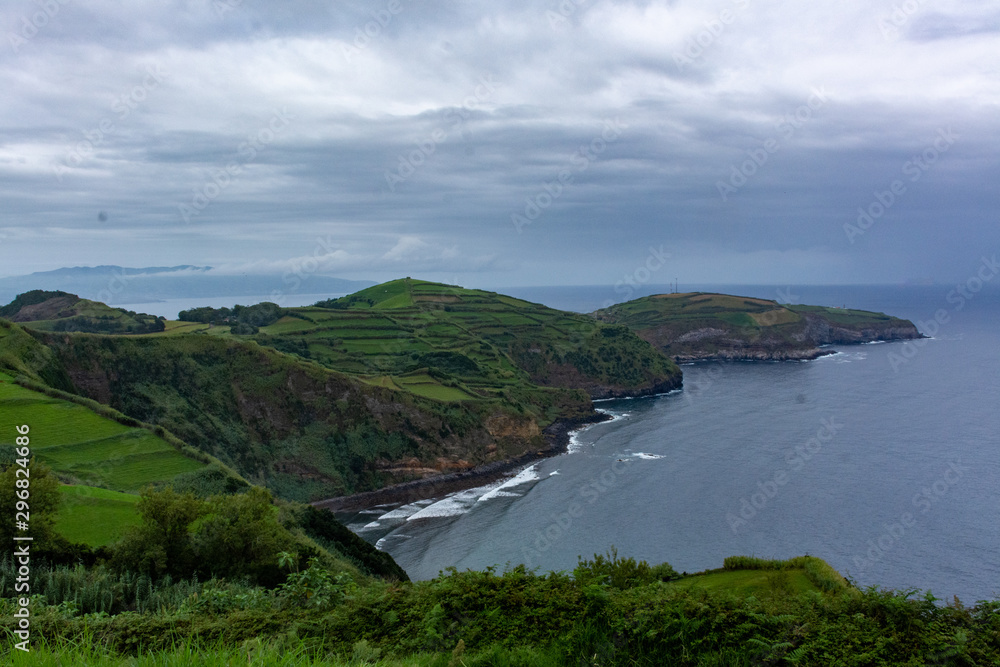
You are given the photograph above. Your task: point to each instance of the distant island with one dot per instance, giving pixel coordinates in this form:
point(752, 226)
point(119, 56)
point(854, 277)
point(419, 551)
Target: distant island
point(701, 326)
point(126, 285)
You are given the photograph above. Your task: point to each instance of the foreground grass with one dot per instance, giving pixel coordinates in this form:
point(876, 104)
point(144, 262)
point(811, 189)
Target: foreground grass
point(609, 612)
point(259, 654)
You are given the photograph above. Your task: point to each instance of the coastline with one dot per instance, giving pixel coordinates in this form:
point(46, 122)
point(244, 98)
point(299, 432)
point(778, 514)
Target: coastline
point(801, 354)
point(556, 436)
point(755, 355)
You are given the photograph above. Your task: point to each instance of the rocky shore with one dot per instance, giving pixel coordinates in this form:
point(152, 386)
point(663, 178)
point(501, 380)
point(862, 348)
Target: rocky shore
point(556, 441)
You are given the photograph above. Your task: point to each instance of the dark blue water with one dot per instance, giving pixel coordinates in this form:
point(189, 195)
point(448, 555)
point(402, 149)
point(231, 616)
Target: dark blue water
point(882, 459)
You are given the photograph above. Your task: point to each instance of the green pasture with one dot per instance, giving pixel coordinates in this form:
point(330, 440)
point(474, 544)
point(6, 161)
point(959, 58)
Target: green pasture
point(80, 444)
point(95, 517)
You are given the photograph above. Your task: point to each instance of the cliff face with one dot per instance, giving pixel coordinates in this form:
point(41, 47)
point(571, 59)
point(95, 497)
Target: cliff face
point(301, 430)
point(823, 332)
point(694, 327)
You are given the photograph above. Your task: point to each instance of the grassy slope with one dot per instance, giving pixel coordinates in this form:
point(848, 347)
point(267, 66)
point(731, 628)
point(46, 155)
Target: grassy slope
point(302, 430)
point(379, 387)
point(80, 444)
point(68, 312)
point(703, 325)
point(95, 517)
point(86, 441)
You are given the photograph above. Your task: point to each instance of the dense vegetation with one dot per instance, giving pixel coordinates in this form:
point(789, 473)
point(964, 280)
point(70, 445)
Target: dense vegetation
point(244, 320)
point(706, 326)
point(302, 430)
point(430, 338)
point(608, 611)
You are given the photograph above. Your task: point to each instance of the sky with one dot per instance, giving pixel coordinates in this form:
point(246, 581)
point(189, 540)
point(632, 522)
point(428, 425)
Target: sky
point(503, 143)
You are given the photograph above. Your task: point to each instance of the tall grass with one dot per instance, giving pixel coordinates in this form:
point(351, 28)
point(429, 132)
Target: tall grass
point(100, 591)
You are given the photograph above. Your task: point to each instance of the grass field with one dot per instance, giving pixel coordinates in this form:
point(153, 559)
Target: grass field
point(425, 385)
point(83, 445)
point(750, 582)
point(95, 517)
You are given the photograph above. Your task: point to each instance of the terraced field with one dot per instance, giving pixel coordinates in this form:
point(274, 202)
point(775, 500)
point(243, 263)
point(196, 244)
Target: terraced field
point(95, 517)
point(452, 344)
point(83, 445)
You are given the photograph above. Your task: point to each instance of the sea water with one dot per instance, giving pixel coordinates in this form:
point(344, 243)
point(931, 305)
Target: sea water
point(883, 459)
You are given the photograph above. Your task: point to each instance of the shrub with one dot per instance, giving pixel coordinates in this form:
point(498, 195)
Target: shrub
point(161, 544)
point(621, 573)
point(39, 498)
point(315, 587)
point(241, 536)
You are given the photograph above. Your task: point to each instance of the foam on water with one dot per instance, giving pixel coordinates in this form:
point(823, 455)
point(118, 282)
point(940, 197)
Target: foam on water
point(529, 474)
point(454, 505)
point(575, 444)
point(460, 502)
point(637, 398)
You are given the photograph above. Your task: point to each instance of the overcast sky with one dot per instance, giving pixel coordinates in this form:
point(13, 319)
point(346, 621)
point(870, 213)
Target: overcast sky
point(504, 143)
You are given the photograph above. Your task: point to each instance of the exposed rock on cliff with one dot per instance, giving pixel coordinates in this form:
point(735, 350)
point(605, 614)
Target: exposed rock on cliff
point(699, 326)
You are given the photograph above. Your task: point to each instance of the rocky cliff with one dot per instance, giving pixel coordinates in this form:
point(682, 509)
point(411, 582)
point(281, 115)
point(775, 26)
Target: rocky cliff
point(700, 326)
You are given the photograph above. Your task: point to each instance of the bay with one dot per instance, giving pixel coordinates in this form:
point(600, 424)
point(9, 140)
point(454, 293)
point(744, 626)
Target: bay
point(883, 459)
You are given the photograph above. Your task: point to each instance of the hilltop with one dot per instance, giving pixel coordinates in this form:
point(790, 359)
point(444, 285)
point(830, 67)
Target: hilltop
point(62, 311)
point(487, 339)
point(699, 326)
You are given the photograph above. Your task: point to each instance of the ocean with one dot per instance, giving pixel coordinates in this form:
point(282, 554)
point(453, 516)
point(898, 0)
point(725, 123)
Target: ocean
point(882, 459)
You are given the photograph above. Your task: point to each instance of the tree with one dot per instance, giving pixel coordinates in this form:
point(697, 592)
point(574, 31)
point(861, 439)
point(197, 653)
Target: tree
point(242, 537)
point(40, 504)
point(162, 542)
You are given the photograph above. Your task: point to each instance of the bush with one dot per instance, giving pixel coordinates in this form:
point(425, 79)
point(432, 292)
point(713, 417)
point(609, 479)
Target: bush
point(237, 536)
point(241, 537)
point(621, 573)
point(315, 587)
point(162, 543)
point(34, 491)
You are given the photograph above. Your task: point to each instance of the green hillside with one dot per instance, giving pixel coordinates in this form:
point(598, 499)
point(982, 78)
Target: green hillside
point(61, 311)
point(90, 448)
point(95, 517)
point(303, 430)
point(484, 342)
point(701, 325)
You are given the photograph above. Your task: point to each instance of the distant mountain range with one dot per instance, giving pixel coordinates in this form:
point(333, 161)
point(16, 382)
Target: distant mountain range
point(118, 285)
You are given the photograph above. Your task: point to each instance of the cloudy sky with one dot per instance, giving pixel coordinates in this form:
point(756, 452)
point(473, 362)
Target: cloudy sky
point(504, 143)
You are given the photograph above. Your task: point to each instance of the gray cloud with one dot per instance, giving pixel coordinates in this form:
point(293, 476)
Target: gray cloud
point(414, 131)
